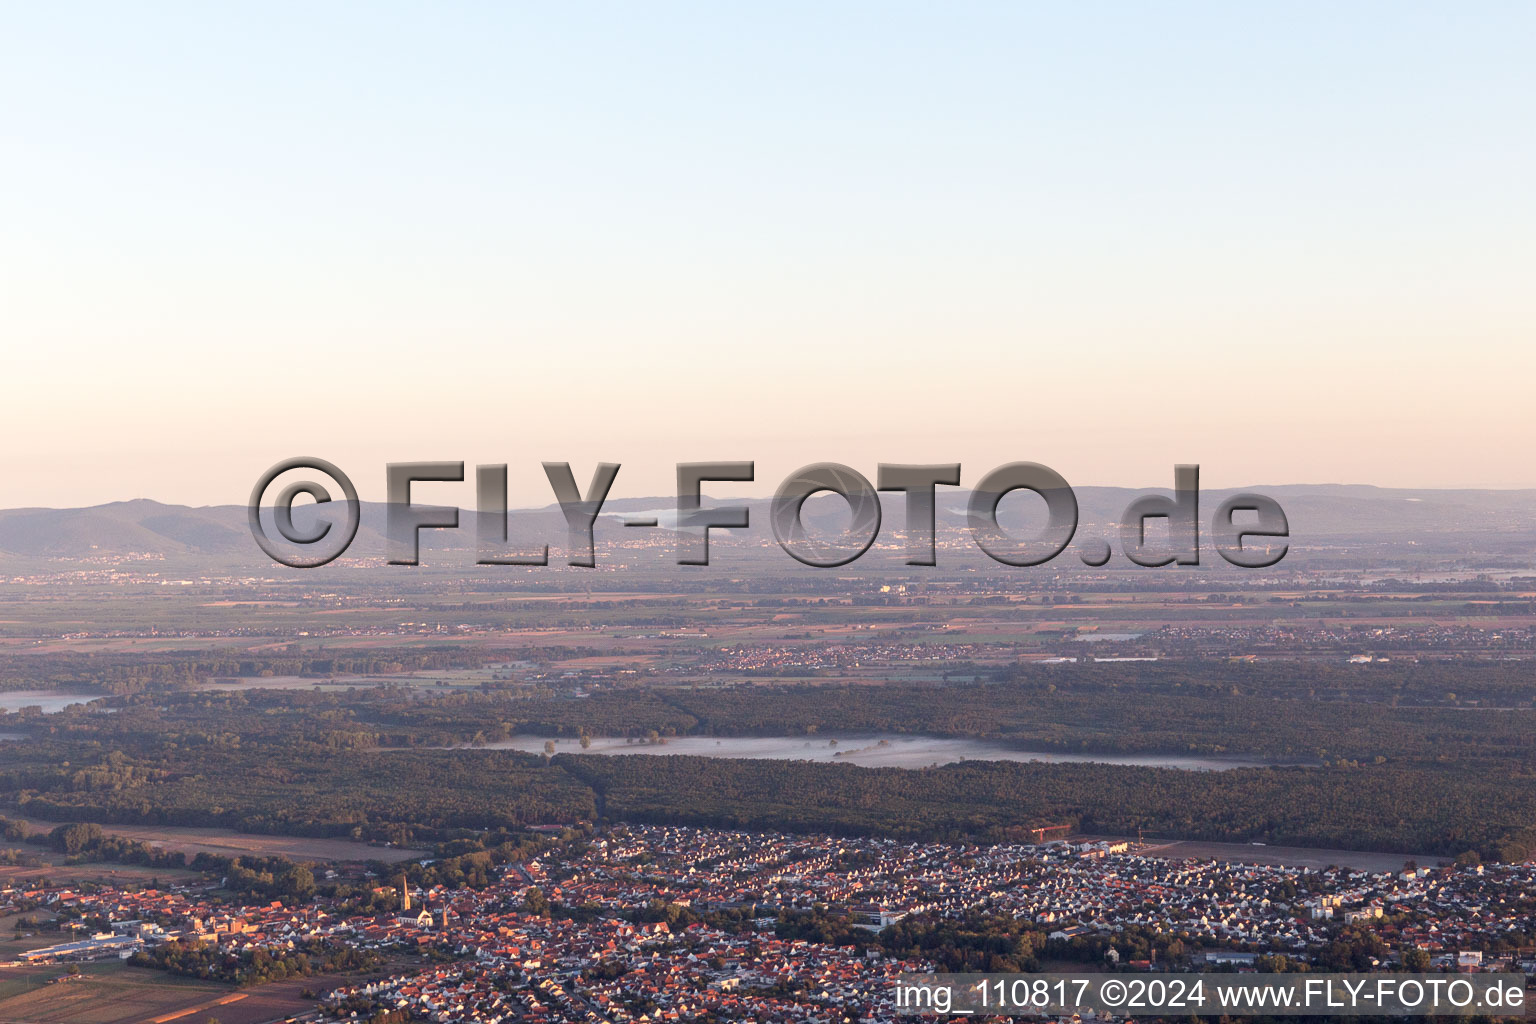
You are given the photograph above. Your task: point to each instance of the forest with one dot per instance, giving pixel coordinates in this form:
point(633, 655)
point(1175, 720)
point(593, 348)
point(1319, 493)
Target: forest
point(1077, 713)
point(421, 795)
point(1361, 808)
point(374, 762)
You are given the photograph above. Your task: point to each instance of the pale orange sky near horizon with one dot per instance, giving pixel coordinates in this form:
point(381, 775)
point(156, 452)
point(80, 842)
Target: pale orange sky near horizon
point(1292, 249)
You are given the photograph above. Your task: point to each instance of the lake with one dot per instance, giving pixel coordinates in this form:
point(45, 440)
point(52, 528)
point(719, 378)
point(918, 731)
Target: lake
point(891, 751)
point(49, 700)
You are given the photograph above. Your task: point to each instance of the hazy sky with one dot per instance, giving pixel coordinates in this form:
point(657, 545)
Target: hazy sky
point(1293, 243)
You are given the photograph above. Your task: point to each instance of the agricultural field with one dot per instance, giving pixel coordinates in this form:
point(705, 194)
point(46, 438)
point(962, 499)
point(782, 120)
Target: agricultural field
point(107, 993)
point(229, 843)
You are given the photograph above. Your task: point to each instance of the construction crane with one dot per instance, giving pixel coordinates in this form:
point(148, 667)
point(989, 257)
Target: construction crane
point(1039, 833)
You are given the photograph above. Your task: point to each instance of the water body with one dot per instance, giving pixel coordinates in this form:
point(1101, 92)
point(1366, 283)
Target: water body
point(49, 700)
point(893, 751)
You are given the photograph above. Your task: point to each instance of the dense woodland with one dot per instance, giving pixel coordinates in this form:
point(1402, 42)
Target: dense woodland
point(293, 790)
point(1392, 773)
point(1346, 808)
point(310, 765)
point(1240, 711)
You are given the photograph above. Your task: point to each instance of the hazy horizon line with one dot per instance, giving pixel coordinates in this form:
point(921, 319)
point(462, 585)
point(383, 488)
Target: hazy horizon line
point(727, 496)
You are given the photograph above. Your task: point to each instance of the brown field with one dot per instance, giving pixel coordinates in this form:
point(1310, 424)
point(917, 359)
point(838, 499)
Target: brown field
point(226, 842)
point(32, 934)
point(610, 661)
point(117, 873)
point(273, 1001)
point(111, 992)
point(107, 993)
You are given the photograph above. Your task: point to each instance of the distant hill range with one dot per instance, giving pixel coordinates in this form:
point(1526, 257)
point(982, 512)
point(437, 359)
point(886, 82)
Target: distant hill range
point(1493, 528)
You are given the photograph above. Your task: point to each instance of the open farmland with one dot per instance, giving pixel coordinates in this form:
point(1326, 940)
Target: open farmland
point(229, 843)
point(107, 993)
